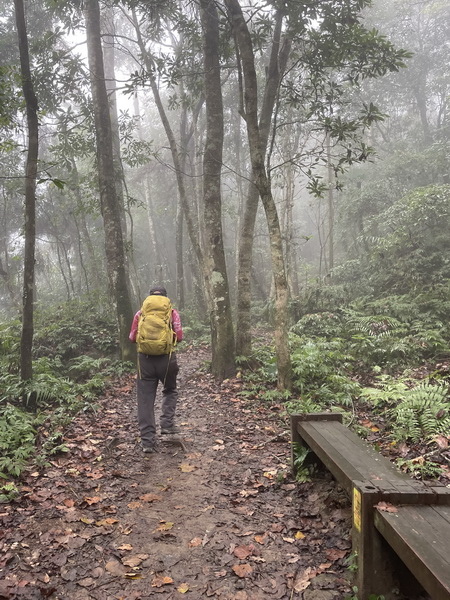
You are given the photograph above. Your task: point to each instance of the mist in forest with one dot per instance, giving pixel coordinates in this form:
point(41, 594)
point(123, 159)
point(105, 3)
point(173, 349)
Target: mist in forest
point(256, 161)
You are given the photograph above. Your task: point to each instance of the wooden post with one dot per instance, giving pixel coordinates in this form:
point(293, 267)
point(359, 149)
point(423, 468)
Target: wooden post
point(295, 439)
point(374, 574)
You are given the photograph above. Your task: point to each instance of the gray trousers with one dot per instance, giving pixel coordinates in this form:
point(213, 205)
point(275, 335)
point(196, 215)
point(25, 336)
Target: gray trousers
point(151, 371)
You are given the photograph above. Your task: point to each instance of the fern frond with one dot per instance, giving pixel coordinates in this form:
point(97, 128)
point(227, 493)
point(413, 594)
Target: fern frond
point(423, 413)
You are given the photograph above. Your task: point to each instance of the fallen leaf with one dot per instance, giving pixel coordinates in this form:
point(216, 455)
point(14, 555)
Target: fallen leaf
point(164, 526)
point(335, 554)
point(185, 468)
point(183, 588)
point(299, 535)
point(386, 507)
point(115, 567)
point(149, 498)
point(244, 570)
point(303, 580)
point(195, 542)
point(261, 539)
point(160, 580)
point(441, 441)
point(246, 493)
point(76, 542)
point(134, 505)
point(95, 475)
point(221, 573)
point(133, 575)
point(243, 552)
point(125, 547)
point(134, 561)
point(107, 521)
point(86, 582)
point(289, 487)
point(93, 500)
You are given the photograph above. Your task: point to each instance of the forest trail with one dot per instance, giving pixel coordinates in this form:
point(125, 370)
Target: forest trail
point(215, 517)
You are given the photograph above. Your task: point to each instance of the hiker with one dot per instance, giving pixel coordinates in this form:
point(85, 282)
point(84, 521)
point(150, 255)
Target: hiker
point(156, 329)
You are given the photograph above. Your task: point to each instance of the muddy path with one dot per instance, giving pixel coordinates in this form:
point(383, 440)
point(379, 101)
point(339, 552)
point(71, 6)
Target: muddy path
point(214, 514)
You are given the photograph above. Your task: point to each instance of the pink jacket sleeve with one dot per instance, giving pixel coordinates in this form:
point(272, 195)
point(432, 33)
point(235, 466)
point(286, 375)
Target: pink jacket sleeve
point(134, 327)
point(176, 325)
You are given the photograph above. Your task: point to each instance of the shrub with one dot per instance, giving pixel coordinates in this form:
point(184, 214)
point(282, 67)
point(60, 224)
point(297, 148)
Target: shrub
point(424, 412)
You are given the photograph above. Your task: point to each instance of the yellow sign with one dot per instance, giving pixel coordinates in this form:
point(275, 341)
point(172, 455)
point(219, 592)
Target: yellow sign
point(357, 509)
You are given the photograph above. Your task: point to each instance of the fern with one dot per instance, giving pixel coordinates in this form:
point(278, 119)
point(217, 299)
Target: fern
point(375, 326)
point(388, 392)
point(423, 413)
point(303, 405)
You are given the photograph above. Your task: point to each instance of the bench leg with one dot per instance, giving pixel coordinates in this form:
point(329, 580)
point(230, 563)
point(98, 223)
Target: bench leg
point(295, 439)
point(374, 574)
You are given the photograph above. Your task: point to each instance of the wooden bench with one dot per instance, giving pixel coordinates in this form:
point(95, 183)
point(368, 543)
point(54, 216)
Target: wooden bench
point(370, 478)
point(420, 535)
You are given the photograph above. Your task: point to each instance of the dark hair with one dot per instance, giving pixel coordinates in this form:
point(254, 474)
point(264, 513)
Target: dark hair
point(158, 290)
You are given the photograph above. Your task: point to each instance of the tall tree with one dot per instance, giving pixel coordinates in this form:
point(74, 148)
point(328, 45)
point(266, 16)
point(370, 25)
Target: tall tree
point(114, 246)
point(26, 344)
point(279, 54)
point(256, 135)
point(222, 327)
point(211, 254)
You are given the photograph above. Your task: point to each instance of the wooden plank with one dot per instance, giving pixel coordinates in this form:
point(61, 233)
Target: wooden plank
point(367, 461)
point(419, 535)
point(339, 466)
point(367, 456)
point(444, 513)
point(349, 458)
point(398, 487)
point(323, 416)
point(442, 495)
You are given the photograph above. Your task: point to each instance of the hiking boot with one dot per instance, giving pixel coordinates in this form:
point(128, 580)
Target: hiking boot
point(170, 430)
point(148, 449)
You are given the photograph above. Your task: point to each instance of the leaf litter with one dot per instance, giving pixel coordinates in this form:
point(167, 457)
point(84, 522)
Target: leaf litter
point(107, 522)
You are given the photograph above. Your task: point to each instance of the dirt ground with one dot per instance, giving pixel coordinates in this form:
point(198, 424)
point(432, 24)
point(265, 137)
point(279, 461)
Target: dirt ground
point(214, 514)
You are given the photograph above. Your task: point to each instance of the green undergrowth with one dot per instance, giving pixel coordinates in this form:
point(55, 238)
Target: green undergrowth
point(386, 358)
point(74, 358)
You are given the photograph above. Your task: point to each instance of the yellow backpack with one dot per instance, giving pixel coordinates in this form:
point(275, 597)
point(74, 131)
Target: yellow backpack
point(155, 335)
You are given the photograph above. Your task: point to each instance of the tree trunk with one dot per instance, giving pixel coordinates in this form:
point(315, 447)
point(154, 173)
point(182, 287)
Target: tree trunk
point(220, 306)
point(108, 26)
point(256, 133)
point(277, 65)
point(26, 342)
point(114, 246)
point(330, 207)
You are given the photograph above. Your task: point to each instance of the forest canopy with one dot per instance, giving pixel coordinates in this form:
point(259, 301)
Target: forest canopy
point(265, 161)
